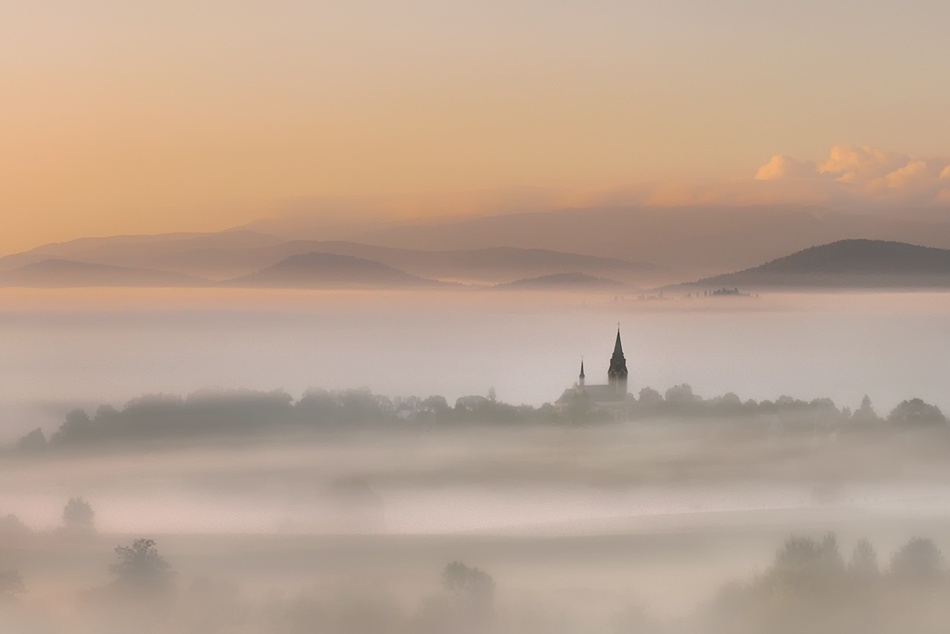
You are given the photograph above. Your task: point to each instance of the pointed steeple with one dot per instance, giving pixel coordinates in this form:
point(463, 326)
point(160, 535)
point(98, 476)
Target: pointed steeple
point(617, 373)
point(581, 377)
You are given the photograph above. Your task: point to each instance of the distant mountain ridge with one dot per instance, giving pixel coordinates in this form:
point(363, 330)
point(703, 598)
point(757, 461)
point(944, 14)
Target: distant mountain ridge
point(327, 270)
point(855, 263)
point(66, 273)
point(698, 240)
point(562, 281)
point(227, 255)
point(681, 242)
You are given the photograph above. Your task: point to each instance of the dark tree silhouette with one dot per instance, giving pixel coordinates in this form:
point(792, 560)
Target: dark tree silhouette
point(865, 413)
point(916, 413)
point(11, 527)
point(140, 569)
point(803, 560)
point(33, 442)
point(918, 561)
point(11, 584)
point(469, 584)
point(649, 399)
point(864, 560)
point(467, 608)
point(78, 516)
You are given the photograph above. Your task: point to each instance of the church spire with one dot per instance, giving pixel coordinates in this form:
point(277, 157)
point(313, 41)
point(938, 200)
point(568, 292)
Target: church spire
point(581, 377)
point(617, 373)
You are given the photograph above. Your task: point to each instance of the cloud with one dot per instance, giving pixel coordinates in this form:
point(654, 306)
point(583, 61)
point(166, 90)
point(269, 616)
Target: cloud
point(850, 164)
point(866, 175)
point(783, 167)
point(915, 175)
point(850, 177)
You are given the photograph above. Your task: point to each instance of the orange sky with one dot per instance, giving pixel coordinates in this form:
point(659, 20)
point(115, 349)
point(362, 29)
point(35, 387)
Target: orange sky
point(120, 117)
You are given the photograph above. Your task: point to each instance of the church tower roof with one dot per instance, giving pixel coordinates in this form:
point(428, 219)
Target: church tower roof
point(582, 369)
point(618, 363)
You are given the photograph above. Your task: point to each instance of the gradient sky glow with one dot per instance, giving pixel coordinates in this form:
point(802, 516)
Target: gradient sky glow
point(124, 117)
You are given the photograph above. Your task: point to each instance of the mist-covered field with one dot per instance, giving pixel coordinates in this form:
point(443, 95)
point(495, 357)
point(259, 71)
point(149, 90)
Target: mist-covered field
point(91, 346)
point(577, 527)
point(701, 514)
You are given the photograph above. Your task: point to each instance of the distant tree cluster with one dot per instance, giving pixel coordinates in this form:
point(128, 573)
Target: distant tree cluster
point(246, 413)
point(141, 571)
point(254, 413)
point(78, 517)
point(680, 401)
point(11, 585)
point(463, 606)
point(811, 587)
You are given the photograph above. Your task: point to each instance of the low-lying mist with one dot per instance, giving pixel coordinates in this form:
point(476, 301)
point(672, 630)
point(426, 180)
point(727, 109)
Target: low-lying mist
point(89, 346)
point(134, 497)
point(420, 516)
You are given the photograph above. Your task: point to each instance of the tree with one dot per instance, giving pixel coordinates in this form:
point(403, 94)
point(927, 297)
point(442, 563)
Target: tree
point(33, 442)
point(649, 398)
point(916, 413)
point(78, 516)
point(77, 427)
point(468, 582)
point(681, 395)
point(468, 607)
point(11, 584)
point(803, 557)
point(865, 413)
point(918, 561)
point(140, 569)
point(863, 560)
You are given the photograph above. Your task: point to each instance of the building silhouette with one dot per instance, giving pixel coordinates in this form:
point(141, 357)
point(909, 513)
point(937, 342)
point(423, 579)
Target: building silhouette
point(617, 372)
point(611, 397)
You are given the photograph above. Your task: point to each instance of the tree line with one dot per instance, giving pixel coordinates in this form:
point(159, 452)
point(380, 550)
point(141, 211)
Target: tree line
point(809, 586)
point(248, 413)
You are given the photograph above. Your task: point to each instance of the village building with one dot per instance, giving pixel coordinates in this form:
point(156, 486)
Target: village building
point(612, 397)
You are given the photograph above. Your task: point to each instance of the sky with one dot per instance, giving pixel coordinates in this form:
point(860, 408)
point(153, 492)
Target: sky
point(140, 117)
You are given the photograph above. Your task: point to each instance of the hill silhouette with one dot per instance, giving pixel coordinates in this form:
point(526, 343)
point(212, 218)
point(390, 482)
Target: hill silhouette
point(562, 281)
point(492, 264)
point(700, 240)
point(217, 255)
point(56, 273)
point(230, 254)
point(327, 270)
point(846, 264)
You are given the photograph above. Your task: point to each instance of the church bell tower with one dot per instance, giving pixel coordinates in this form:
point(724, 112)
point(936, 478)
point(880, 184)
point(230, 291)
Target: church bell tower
point(617, 373)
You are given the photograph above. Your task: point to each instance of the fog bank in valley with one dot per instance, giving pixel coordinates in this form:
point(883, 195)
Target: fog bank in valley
point(112, 346)
point(413, 473)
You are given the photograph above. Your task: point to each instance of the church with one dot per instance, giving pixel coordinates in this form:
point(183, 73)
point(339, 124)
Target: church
point(612, 396)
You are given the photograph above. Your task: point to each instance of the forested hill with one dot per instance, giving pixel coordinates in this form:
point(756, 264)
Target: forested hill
point(846, 264)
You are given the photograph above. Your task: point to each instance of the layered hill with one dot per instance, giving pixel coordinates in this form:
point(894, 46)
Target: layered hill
point(845, 264)
point(208, 255)
point(56, 273)
point(486, 265)
point(697, 240)
point(327, 270)
point(226, 255)
point(562, 282)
